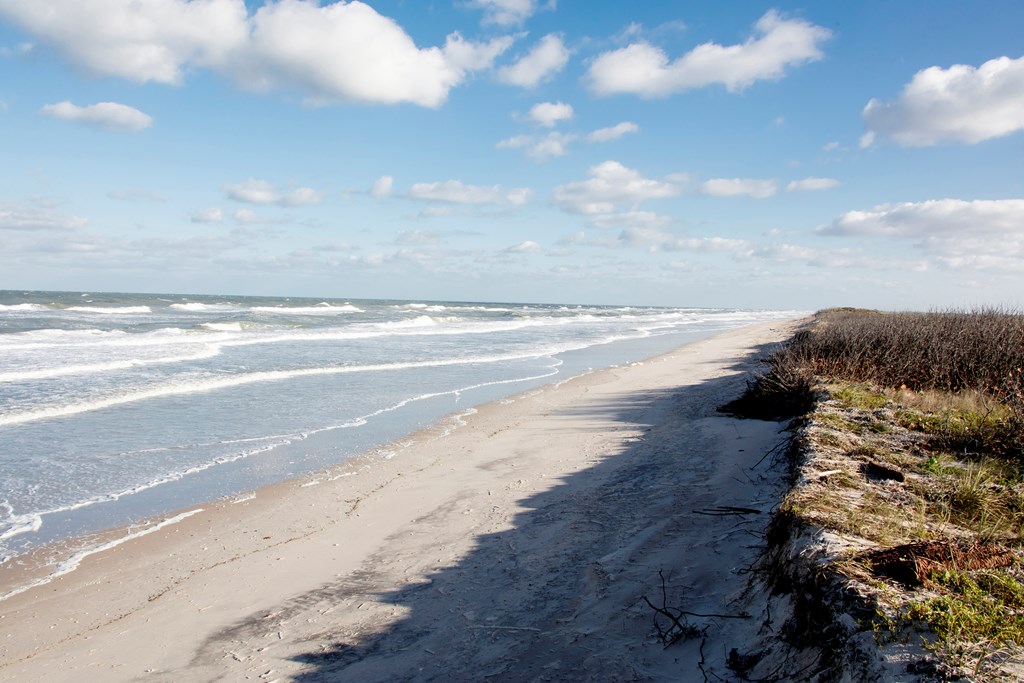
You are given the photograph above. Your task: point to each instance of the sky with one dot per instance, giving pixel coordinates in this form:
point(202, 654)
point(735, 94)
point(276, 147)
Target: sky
point(761, 155)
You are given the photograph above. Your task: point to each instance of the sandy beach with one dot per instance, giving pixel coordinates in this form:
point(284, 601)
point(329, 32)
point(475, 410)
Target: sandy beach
point(516, 543)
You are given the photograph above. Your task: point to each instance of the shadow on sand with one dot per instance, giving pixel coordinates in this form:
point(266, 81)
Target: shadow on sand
point(559, 595)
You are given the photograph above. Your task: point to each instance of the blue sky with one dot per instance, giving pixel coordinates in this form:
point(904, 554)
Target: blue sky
point(771, 155)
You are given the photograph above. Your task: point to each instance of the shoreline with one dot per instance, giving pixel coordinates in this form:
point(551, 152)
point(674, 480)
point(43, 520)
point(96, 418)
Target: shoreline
point(218, 568)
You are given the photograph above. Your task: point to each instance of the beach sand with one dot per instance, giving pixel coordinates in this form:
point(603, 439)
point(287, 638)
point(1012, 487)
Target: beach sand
point(517, 545)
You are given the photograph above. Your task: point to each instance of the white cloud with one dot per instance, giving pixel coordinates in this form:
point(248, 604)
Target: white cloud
point(420, 237)
point(614, 132)
point(344, 51)
point(457, 192)
point(734, 187)
point(548, 57)
point(979, 234)
point(554, 144)
point(516, 142)
point(36, 215)
point(831, 147)
point(208, 216)
point(527, 247)
point(958, 104)
point(831, 258)
point(138, 41)
point(255, 191)
point(632, 219)
point(105, 115)
point(611, 183)
point(548, 114)
point(811, 184)
point(19, 51)
point(645, 70)
point(505, 12)
point(250, 217)
point(383, 186)
point(956, 217)
point(655, 239)
point(349, 52)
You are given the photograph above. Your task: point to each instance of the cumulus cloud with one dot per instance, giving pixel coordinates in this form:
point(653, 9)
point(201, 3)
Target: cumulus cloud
point(979, 234)
point(610, 184)
point(349, 52)
point(935, 217)
point(383, 186)
point(548, 57)
point(254, 191)
point(614, 132)
point(457, 192)
point(554, 144)
point(645, 70)
point(138, 41)
point(105, 115)
point(958, 104)
point(505, 12)
point(811, 184)
point(735, 187)
point(549, 114)
point(331, 53)
point(208, 216)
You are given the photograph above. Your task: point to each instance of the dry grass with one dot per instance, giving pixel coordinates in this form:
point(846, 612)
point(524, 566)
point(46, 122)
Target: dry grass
point(912, 433)
point(971, 360)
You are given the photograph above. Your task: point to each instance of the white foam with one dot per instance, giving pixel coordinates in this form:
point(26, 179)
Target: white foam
point(419, 321)
point(74, 562)
point(196, 307)
point(222, 327)
point(23, 307)
point(322, 308)
point(18, 524)
point(220, 382)
point(91, 368)
point(110, 309)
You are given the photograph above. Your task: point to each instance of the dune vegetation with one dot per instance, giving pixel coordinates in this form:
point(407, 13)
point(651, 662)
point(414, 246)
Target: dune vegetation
point(908, 466)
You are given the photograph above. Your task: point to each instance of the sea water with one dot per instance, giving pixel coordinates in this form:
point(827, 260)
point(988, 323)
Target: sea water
point(118, 407)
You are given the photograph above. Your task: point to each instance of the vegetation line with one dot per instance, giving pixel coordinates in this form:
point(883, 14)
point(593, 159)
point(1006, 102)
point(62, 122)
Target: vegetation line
point(909, 455)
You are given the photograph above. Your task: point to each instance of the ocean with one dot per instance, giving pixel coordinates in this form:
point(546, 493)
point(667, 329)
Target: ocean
point(116, 408)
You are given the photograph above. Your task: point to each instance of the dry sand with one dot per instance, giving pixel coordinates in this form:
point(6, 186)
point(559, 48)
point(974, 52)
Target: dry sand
point(517, 547)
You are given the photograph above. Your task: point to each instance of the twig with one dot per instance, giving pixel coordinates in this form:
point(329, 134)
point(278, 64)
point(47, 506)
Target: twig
point(718, 616)
point(727, 510)
point(700, 664)
point(773, 451)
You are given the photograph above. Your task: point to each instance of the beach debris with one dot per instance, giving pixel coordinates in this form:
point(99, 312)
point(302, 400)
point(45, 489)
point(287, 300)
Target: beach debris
point(726, 511)
point(678, 627)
